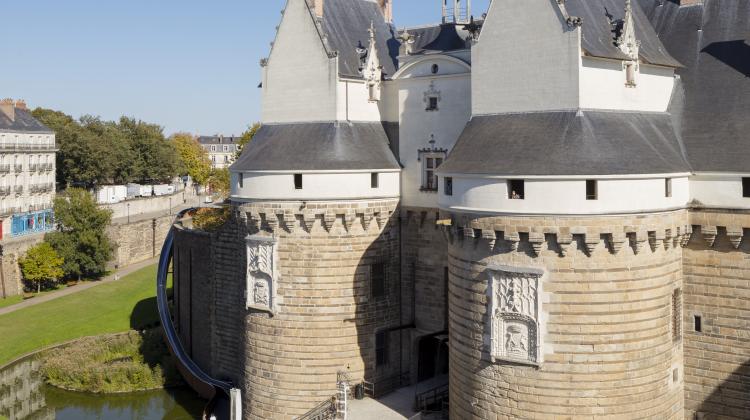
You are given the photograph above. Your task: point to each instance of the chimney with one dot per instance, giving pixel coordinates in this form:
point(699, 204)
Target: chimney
point(21, 104)
point(7, 106)
point(318, 7)
point(386, 6)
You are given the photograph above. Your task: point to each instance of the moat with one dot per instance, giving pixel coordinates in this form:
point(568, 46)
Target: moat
point(23, 395)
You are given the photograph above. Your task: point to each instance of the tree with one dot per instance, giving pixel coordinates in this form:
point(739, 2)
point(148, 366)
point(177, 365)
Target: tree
point(194, 158)
point(219, 181)
point(41, 263)
point(246, 138)
point(95, 152)
point(156, 159)
point(81, 238)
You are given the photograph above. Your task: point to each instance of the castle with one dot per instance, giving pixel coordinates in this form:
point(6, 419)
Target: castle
point(548, 205)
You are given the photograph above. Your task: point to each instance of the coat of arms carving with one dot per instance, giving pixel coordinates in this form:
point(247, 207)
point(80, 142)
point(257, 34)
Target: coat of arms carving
point(260, 273)
point(514, 314)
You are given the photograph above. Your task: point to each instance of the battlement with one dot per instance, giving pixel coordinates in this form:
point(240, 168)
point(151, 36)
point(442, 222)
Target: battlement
point(566, 234)
point(303, 217)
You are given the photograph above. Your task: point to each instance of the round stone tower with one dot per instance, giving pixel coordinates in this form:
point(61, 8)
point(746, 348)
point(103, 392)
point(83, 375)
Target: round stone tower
point(574, 317)
point(322, 263)
point(320, 284)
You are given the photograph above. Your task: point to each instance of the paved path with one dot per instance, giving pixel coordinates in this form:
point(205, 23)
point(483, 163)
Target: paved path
point(79, 287)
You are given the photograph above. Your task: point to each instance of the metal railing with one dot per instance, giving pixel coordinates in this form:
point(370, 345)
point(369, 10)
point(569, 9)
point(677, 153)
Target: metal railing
point(432, 400)
point(26, 146)
point(380, 387)
point(41, 188)
point(18, 189)
point(5, 168)
point(5, 191)
point(33, 167)
point(323, 411)
point(18, 168)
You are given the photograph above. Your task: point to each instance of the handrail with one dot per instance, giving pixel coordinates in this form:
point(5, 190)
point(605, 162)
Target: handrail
point(170, 332)
point(323, 411)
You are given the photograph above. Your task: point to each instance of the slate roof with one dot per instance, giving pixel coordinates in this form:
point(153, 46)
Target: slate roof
point(318, 146)
point(345, 25)
point(440, 38)
point(24, 122)
point(218, 140)
point(713, 105)
point(568, 143)
point(598, 38)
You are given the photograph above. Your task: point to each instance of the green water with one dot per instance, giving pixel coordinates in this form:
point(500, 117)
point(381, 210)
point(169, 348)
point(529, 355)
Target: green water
point(174, 404)
point(23, 395)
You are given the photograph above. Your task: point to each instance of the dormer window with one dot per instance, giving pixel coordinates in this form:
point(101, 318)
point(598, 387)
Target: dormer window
point(432, 104)
point(430, 162)
point(746, 187)
point(435, 69)
point(432, 97)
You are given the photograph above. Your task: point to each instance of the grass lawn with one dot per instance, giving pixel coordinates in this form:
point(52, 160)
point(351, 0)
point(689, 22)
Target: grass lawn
point(18, 299)
point(129, 303)
point(10, 301)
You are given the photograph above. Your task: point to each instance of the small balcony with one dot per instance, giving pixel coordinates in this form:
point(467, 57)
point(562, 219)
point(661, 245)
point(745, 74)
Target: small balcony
point(18, 168)
point(5, 191)
point(22, 147)
point(33, 167)
point(4, 169)
point(18, 189)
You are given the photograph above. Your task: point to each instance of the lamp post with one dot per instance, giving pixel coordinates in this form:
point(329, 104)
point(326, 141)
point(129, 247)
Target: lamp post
point(128, 213)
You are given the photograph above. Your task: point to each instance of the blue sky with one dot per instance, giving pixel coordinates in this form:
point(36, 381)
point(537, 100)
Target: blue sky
point(187, 65)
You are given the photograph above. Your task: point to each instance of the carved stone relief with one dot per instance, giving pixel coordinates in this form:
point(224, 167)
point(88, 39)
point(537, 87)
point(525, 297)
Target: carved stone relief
point(260, 273)
point(515, 306)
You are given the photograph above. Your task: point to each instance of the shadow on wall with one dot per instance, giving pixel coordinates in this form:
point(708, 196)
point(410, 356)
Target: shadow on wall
point(379, 314)
point(735, 54)
point(731, 399)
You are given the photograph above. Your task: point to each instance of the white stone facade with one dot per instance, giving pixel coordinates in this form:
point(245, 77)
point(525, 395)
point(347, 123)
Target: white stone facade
point(27, 176)
point(221, 150)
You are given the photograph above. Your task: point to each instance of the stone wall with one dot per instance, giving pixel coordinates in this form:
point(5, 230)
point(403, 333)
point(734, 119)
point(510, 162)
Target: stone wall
point(139, 240)
point(717, 289)
point(162, 205)
point(13, 249)
point(423, 266)
point(325, 318)
point(603, 346)
point(21, 394)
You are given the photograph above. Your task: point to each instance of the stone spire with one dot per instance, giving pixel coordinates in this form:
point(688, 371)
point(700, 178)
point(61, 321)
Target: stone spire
point(627, 41)
point(373, 71)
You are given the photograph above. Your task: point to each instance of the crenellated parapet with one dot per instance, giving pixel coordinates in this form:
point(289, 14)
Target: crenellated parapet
point(307, 218)
point(592, 235)
point(711, 224)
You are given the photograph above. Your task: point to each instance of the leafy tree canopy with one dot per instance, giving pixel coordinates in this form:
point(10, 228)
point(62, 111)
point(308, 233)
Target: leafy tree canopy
point(81, 238)
point(219, 181)
point(96, 152)
point(41, 263)
point(193, 156)
point(246, 138)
